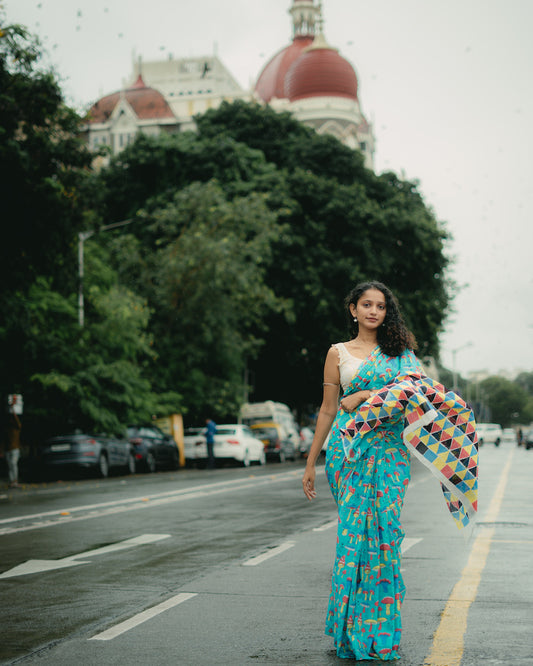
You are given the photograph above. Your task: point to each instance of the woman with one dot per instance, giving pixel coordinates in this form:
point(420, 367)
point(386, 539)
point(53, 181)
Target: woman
point(367, 586)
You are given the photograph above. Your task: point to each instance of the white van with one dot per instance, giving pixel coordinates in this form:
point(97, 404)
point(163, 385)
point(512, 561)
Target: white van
point(270, 411)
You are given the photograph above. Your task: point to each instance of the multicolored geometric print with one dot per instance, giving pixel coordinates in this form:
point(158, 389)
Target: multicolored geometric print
point(367, 588)
point(439, 428)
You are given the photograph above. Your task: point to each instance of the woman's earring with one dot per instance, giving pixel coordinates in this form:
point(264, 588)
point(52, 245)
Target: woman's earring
point(355, 319)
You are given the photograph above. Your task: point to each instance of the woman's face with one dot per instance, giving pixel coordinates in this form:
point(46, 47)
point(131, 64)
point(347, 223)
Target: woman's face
point(371, 309)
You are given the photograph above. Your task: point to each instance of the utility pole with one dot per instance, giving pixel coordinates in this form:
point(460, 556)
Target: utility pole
point(454, 370)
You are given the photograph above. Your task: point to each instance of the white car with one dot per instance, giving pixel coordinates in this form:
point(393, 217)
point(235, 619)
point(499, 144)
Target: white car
point(194, 445)
point(509, 436)
point(489, 433)
point(237, 442)
point(232, 442)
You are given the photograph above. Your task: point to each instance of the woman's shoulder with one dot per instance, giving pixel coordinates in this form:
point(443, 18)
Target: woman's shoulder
point(410, 362)
point(338, 349)
point(333, 351)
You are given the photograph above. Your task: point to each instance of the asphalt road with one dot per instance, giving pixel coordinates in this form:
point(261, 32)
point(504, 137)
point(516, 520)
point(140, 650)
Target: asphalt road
point(233, 567)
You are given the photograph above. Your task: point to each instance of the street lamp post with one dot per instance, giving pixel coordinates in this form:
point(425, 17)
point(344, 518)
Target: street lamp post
point(82, 237)
point(454, 368)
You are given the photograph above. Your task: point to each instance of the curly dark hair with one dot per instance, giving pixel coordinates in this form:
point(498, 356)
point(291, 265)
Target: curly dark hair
point(393, 335)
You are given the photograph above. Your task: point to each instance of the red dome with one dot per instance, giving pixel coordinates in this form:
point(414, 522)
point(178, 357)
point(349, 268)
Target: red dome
point(320, 72)
point(147, 103)
point(271, 81)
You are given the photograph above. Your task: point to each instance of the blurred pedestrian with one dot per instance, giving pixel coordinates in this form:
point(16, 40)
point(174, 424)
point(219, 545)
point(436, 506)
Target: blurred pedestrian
point(12, 448)
point(368, 466)
point(210, 432)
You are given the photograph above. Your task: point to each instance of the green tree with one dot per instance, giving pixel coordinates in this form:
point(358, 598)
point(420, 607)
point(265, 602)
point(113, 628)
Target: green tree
point(149, 172)
point(508, 402)
point(94, 378)
point(525, 381)
point(43, 163)
point(201, 266)
point(339, 236)
point(283, 140)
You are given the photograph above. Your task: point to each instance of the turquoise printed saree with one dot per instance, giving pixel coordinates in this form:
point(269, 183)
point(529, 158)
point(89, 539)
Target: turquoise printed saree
point(368, 469)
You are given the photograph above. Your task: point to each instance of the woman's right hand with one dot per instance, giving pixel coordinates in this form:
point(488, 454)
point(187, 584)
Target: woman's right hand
point(308, 482)
point(350, 402)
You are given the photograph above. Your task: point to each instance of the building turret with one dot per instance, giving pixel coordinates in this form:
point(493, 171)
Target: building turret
point(305, 18)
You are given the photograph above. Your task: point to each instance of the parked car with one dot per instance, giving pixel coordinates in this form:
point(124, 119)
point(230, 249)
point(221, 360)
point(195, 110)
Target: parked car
point(528, 438)
point(306, 439)
point(195, 446)
point(153, 449)
point(233, 442)
point(326, 444)
point(277, 443)
point(489, 433)
point(237, 442)
point(509, 436)
point(95, 453)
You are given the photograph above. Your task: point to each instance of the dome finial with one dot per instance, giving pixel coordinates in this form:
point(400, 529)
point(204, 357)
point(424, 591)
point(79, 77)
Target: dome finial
point(320, 41)
point(305, 14)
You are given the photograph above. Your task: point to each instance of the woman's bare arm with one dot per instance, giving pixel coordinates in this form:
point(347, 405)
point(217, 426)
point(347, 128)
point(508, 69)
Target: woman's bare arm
point(326, 415)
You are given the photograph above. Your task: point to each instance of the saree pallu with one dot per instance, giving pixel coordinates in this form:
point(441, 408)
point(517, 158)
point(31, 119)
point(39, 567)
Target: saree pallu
point(367, 587)
point(438, 428)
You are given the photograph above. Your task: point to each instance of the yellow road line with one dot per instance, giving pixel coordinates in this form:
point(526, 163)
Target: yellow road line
point(528, 541)
point(448, 641)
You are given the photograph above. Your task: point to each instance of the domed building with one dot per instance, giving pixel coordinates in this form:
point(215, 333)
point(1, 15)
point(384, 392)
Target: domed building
point(310, 79)
point(115, 119)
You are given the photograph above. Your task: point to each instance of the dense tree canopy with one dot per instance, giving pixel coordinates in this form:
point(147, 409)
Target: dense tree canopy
point(201, 266)
point(42, 160)
point(337, 223)
point(95, 377)
point(508, 402)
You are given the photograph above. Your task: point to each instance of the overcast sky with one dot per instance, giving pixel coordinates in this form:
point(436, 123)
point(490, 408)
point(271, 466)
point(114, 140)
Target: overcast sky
point(446, 83)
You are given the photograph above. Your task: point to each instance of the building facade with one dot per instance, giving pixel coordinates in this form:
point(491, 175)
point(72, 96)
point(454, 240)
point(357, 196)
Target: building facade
point(308, 78)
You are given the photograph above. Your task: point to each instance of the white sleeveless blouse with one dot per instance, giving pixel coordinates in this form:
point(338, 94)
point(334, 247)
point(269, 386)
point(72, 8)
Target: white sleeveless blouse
point(348, 364)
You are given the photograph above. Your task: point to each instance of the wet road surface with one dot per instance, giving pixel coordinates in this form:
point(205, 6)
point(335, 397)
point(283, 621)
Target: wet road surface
point(233, 567)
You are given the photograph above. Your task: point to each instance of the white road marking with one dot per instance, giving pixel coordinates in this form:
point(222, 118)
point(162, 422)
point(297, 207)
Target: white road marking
point(409, 543)
point(254, 561)
point(146, 615)
point(38, 566)
point(326, 526)
point(61, 516)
